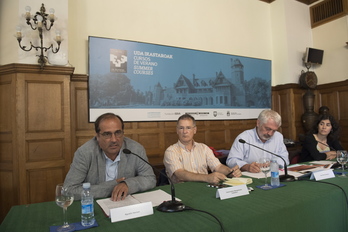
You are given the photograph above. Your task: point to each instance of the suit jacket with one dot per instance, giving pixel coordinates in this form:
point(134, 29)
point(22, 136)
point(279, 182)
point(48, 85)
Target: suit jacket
point(89, 165)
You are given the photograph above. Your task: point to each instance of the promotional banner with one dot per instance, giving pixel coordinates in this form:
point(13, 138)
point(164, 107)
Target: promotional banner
point(149, 82)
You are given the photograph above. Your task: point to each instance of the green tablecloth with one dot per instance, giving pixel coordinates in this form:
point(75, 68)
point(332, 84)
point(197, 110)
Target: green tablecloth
point(298, 206)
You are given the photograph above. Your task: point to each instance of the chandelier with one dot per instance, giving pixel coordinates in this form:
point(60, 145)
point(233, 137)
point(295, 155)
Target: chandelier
point(40, 21)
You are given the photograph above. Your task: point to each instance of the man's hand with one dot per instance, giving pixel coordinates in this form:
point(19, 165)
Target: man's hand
point(236, 171)
point(215, 177)
point(253, 167)
point(120, 191)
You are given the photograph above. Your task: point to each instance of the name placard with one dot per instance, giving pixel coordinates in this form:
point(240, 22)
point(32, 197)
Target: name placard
point(229, 192)
point(322, 174)
point(131, 211)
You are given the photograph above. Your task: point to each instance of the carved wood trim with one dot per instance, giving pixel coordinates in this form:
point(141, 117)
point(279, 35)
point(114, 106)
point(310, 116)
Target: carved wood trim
point(32, 68)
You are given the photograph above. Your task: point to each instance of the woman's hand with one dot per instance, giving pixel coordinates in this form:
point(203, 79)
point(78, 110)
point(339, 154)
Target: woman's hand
point(330, 155)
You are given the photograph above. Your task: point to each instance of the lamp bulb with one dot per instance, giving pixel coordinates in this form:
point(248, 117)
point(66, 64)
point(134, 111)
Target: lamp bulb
point(27, 8)
point(39, 18)
point(51, 11)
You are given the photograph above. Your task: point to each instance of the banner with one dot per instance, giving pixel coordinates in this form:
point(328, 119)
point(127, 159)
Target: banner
point(149, 82)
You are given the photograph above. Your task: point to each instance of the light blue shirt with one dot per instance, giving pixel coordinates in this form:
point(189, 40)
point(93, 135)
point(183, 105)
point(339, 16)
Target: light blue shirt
point(111, 169)
point(243, 153)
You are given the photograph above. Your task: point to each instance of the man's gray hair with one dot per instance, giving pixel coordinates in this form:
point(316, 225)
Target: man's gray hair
point(265, 115)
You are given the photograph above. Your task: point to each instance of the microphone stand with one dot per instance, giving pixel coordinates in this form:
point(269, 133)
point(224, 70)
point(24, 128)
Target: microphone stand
point(283, 178)
point(166, 206)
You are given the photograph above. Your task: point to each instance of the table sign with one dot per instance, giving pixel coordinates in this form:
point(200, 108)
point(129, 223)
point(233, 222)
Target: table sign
point(229, 192)
point(322, 174)
point(131, 211)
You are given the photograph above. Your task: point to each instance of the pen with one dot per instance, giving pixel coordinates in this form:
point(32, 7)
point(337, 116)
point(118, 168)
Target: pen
point(230, 173)
point(221, 181)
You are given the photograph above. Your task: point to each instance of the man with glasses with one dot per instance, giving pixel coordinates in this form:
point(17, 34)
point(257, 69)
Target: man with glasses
point(188, 160)
point(264, 135)
point(101, 162)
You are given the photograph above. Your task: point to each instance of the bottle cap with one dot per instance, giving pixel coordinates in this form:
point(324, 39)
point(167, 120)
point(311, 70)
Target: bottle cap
point(86, 185)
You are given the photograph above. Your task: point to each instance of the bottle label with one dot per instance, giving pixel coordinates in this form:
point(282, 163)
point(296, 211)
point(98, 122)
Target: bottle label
point(86, 209)
point(275, 174)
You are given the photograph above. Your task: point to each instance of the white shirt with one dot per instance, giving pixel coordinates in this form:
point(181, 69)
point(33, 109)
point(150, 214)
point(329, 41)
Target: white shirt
point(111, 168)
point(242, 153)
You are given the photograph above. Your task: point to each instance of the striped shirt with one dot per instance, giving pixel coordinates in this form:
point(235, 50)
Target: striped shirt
point(198, 160)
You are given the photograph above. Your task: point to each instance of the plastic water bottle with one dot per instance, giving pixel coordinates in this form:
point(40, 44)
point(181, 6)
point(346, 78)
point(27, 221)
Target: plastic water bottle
point(87, 206)
point(274, 173)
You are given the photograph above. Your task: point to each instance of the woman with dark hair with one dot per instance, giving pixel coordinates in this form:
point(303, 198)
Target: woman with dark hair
point(322, 141)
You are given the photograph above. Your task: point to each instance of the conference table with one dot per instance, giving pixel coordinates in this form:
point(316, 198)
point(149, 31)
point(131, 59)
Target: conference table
point(299, 206)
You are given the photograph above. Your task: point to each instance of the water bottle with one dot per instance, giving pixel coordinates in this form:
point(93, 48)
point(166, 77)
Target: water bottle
point(87, 207)
point(274, 173)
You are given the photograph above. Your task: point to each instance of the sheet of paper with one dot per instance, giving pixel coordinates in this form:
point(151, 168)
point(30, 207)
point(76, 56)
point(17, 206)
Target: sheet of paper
point(107, 204)
point(323, 162)
point(261, 175)
point(238, 181)
point(257, 175)
point(156, 197)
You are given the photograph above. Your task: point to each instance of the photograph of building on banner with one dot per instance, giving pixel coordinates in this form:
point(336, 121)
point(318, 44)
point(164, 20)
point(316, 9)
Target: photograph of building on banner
point(150, 82)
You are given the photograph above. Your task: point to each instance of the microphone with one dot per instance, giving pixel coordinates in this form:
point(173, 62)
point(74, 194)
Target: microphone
point(166, 206)
point(283, 178)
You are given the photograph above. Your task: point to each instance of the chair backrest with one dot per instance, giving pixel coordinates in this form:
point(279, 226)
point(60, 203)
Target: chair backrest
point(295, 158)
point(162, 178)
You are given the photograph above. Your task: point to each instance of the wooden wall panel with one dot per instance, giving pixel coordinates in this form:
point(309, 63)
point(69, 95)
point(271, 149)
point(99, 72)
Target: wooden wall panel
point(38, 150)
point(5, 104)
point(81, 129)
point(328, 98)
point(171, 137)
point(335, 96)
point(42, 183)
point(35, 134)
point(5, 149)
point(8, 197)
point(342, 105)
point(44, 102)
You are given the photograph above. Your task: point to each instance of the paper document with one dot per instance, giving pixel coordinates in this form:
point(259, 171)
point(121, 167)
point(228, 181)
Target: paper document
point(238, 181)
point(315, 166)
point(261, 175)
point(323, 162)
point(156, 197)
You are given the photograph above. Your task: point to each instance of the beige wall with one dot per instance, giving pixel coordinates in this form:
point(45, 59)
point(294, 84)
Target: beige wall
point(332, 38)
point(279, 31)
point(221, 26)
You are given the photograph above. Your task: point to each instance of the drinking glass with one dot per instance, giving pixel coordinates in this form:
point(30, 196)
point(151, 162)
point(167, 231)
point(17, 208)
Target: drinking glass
point(342, 157)
point(265, 167)
point(64, 199)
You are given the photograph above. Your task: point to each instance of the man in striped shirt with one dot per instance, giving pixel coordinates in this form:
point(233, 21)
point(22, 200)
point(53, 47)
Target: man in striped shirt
point(188, 160)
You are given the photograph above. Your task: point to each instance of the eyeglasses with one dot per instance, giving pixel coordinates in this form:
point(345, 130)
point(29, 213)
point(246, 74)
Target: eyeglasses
point(108, 135)
point(187, 127)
